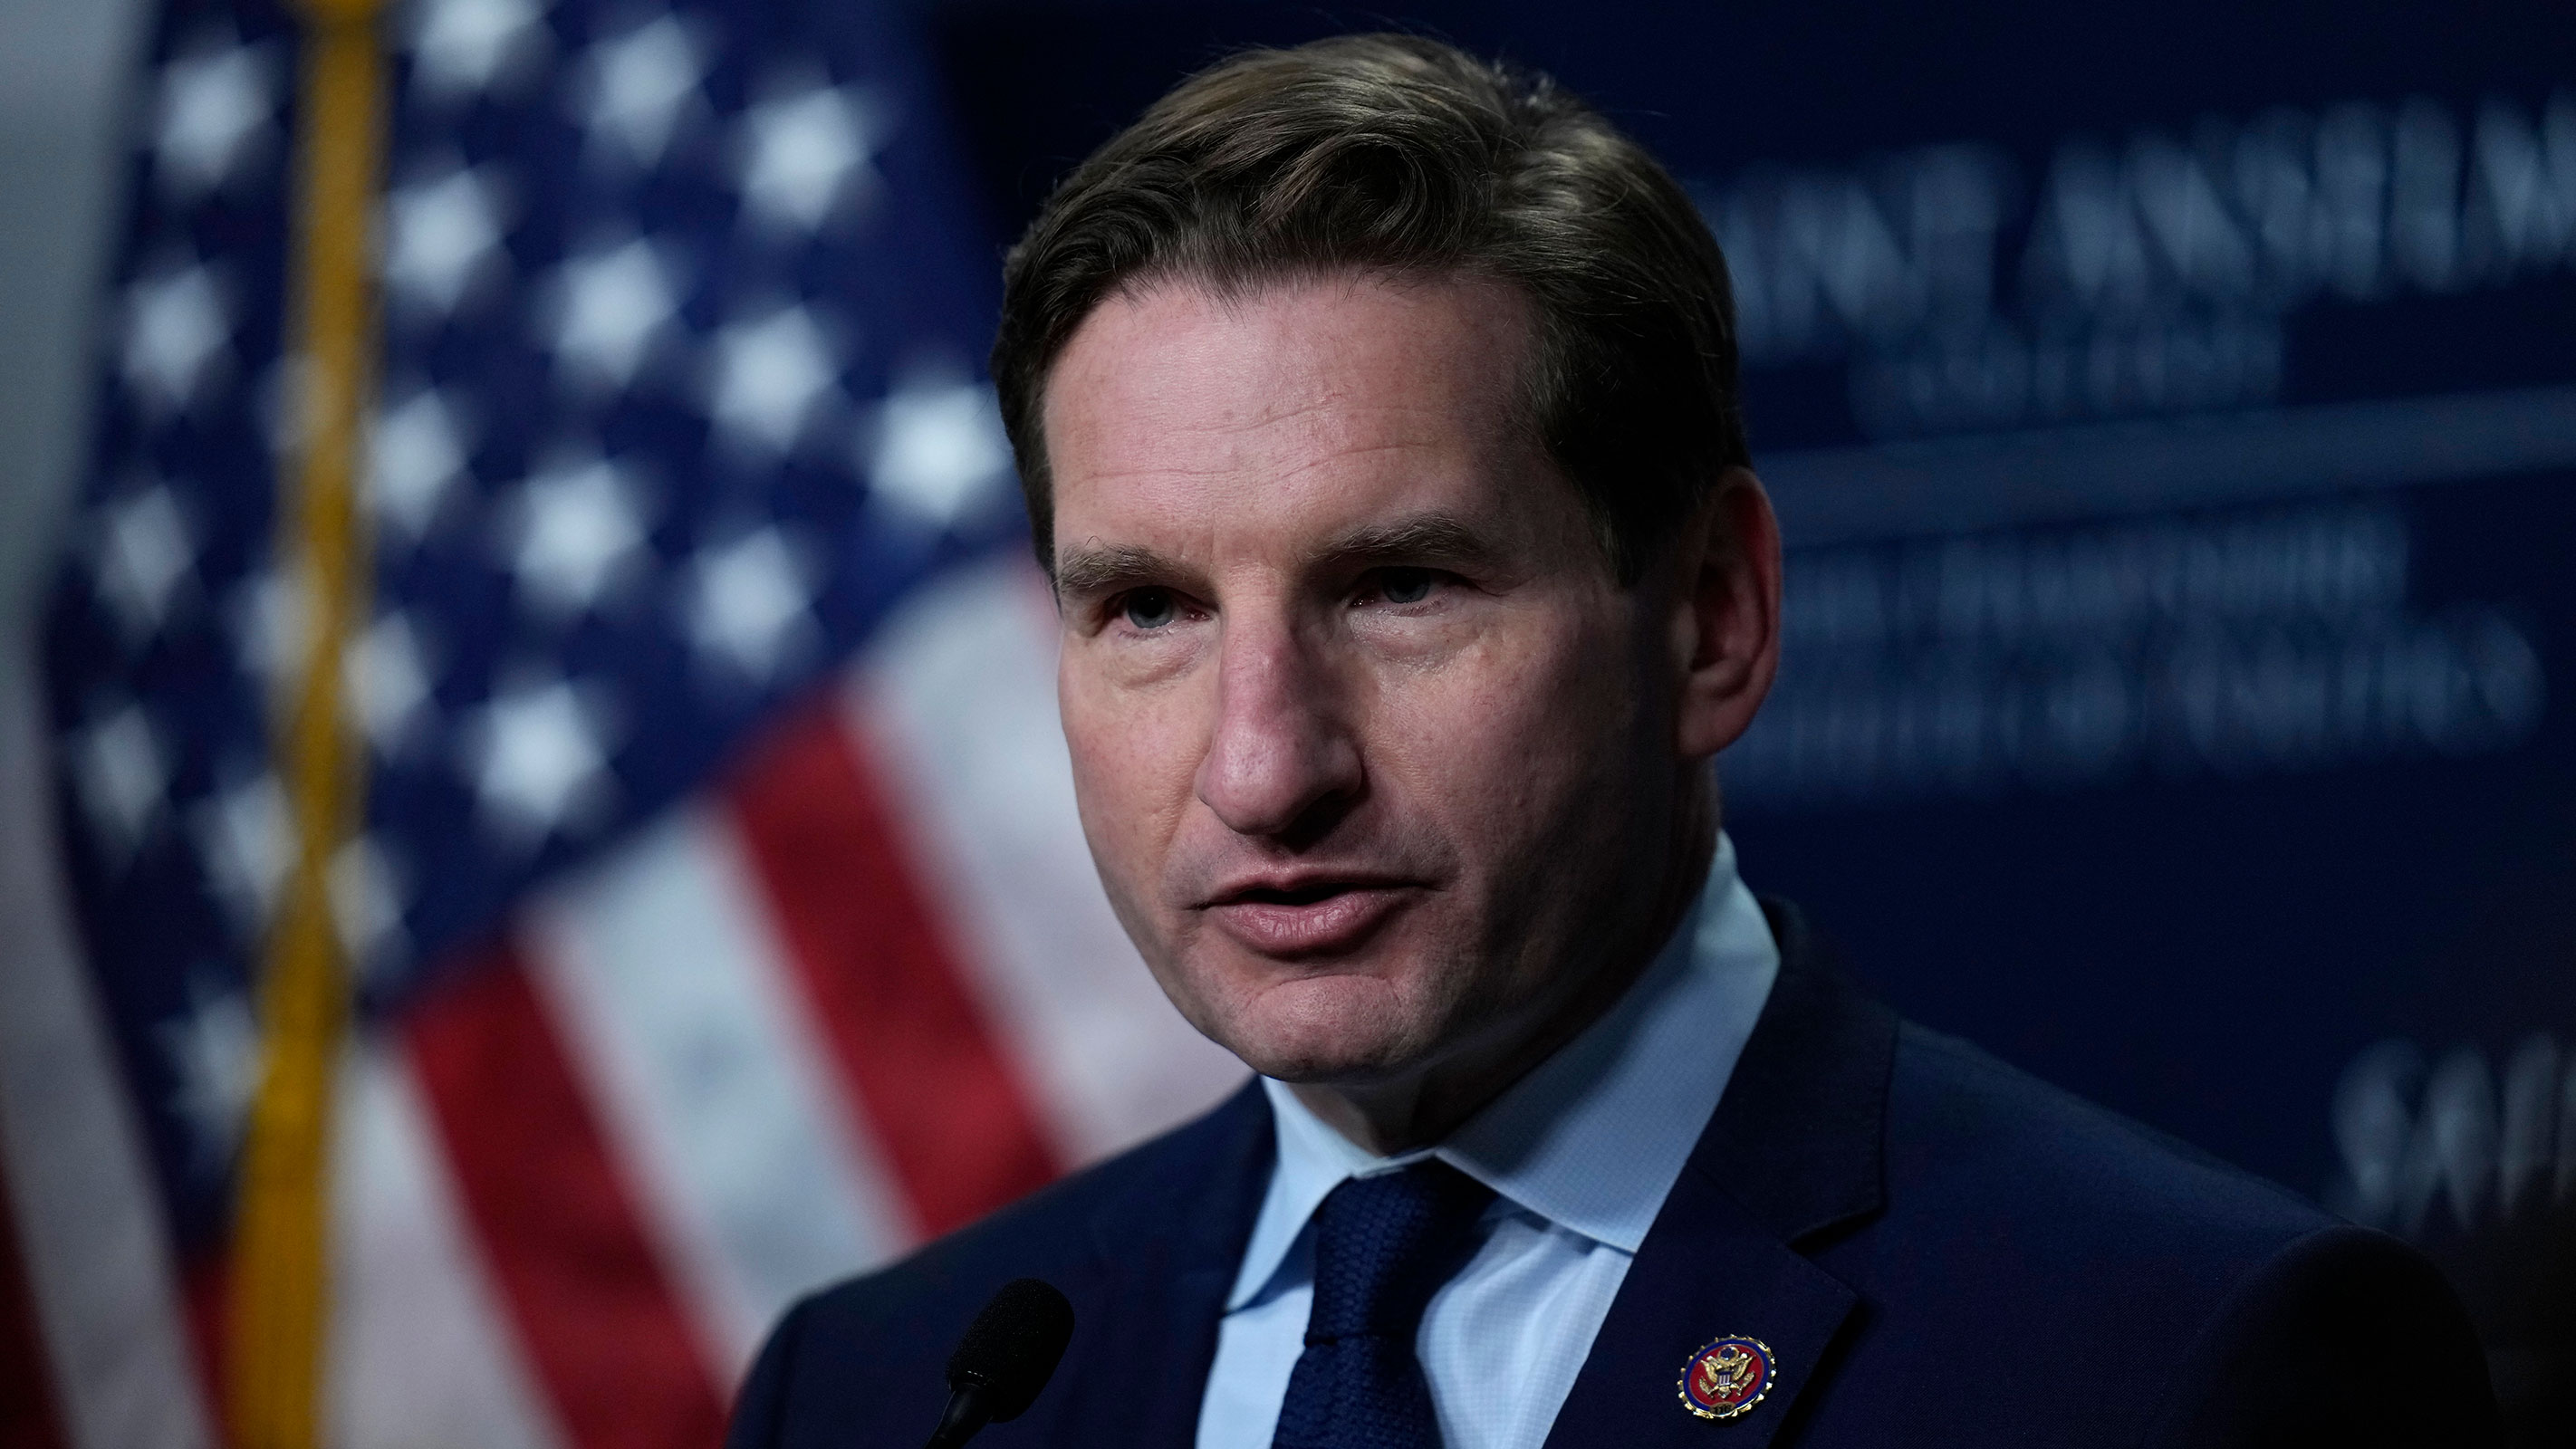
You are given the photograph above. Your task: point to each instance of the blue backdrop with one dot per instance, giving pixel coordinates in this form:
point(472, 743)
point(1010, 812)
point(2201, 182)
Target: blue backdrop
point(2173, 413)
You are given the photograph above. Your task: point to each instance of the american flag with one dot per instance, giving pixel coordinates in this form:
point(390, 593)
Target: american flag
point(719, 919)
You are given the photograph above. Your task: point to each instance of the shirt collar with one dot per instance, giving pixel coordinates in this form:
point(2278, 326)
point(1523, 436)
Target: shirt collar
point(1594, 1137)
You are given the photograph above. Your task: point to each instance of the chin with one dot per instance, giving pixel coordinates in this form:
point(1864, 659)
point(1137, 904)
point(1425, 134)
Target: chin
point(1343, 1028)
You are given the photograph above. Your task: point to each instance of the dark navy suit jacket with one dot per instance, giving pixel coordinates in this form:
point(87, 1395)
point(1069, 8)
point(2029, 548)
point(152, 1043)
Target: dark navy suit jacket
point(1938, 1249)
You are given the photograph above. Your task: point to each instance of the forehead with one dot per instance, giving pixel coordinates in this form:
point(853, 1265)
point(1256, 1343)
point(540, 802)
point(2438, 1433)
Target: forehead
point(1304, 401)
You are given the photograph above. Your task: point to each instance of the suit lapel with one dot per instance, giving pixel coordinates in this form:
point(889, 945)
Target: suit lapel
point(1707, 1271)
point(1166, 1252)
point(1791, 1154)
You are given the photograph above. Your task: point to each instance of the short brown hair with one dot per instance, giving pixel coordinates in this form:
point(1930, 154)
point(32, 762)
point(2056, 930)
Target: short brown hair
point(1403, 155)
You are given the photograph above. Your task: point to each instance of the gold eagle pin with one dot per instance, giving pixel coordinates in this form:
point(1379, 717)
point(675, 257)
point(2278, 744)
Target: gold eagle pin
point(1727, 1377)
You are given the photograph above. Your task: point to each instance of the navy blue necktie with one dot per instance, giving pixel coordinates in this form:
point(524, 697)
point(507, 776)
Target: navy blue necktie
point(1383, 1246)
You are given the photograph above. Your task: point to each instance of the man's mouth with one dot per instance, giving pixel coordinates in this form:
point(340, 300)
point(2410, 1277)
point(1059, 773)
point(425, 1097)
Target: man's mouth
point(1307, 916)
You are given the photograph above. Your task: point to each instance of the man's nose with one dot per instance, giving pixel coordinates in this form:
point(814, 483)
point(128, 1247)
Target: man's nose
point(1282, 761)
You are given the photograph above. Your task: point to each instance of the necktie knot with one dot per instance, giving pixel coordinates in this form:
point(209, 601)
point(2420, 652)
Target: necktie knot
point(1381, 1249)
point(1385, 1244)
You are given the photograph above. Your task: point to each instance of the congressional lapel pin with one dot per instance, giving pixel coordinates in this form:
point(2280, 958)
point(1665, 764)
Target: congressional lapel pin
point(1727, 1377)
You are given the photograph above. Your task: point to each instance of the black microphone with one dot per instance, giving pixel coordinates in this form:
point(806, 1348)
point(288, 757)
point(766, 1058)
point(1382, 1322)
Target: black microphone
point(1004, 1359)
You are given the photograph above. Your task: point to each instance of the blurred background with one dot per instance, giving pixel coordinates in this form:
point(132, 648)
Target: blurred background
point(2172, 411)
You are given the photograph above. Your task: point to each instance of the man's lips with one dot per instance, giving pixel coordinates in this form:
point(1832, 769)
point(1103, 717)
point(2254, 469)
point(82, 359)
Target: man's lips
point(1309, 915)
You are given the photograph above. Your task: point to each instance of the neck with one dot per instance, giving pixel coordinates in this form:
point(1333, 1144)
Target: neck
point(1420, 1109)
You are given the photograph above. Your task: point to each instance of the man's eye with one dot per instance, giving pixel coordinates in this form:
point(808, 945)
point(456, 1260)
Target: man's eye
point(1149, 608)
point(1405, 586)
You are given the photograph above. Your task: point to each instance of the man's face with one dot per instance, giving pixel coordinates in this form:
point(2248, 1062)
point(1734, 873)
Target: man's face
point(1368, 740)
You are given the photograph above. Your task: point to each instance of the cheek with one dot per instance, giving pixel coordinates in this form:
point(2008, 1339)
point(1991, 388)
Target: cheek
point(1510, 726)
point(1133, 766)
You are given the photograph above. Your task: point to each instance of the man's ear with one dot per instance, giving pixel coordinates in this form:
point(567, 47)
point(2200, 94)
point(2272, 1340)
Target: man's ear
point(1725, 615)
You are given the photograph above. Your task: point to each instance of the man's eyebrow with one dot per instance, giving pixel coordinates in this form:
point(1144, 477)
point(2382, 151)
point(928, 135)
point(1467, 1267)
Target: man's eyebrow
point(1427, 538)
point(1096, 569)
point(1437, 539)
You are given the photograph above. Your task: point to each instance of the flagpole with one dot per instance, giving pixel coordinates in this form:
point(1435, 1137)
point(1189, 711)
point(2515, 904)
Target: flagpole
point(280, 1293)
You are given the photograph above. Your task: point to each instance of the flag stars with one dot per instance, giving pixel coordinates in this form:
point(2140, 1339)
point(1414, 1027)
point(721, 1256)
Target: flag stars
point(443, 234)
point(418, 455)
point(538, 762)
point(601, 563)
point(611, 307)
point(805, 152)
point(576, 535)
point(365, 892)
point(638, 84)
point(212, 109)
point(177, 327)
point(271, 616)
point(213, 1049)
point(747, 604)
point(244, 834)
point(123, 772)
point(770, 376)
point(146, 556)
point(472, 47)
point(389, 683)
point(939, 452)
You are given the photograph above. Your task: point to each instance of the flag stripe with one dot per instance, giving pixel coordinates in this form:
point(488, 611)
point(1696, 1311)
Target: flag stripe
point(958, 691)
point(28, 1418)
point(100, 1273)
point(420, 1352)
point(206, 1297)
point(595, 1315)
point(677, 1005)
point(909, 1037)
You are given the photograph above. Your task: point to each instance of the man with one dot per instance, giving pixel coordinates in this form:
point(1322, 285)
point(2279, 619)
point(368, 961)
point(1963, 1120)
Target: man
point(1377, 413)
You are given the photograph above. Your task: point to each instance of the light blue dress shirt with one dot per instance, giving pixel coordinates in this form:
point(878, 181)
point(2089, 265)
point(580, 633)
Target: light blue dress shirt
point(1580, 1154)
